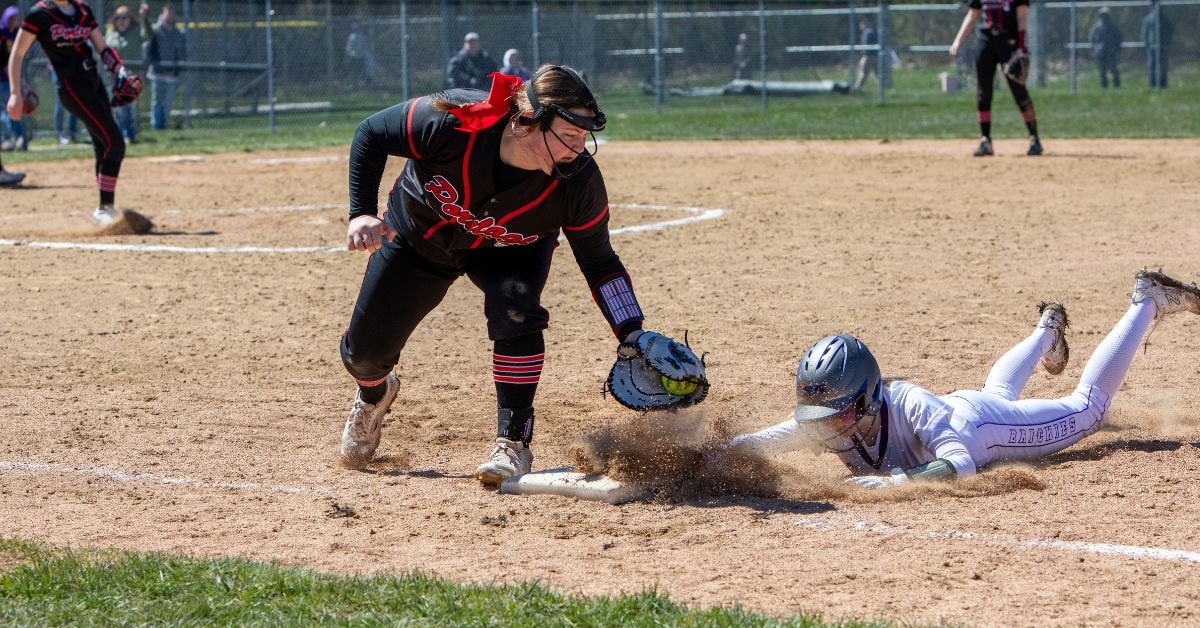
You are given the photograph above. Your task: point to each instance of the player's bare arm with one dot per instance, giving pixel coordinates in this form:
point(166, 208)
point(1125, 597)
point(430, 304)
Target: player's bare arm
point(968, 24)
point(16, 102)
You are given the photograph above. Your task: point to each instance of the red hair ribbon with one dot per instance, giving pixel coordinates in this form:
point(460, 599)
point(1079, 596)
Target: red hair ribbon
point(481, 115)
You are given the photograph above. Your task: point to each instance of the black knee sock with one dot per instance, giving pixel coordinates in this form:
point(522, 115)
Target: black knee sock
point(516, 369)
point(372, 394)
point(515, 425)
point(1032, 126)
point(107, 198)
point(985, 129)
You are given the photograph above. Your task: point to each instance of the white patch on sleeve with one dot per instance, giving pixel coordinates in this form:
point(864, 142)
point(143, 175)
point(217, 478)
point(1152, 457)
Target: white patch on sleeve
point(619, 300)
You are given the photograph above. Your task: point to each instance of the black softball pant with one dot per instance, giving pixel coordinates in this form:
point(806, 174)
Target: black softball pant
point(401, 286)
point(993, 53)
point(83, 94)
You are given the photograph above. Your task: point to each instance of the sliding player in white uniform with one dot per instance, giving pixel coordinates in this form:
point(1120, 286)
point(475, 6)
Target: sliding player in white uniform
point(907, 433)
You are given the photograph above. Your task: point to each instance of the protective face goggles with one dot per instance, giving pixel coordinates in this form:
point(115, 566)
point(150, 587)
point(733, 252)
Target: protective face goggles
point(831, 433)
point(543, 118)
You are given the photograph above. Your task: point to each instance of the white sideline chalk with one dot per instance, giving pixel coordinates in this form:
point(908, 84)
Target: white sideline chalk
point(592, 487)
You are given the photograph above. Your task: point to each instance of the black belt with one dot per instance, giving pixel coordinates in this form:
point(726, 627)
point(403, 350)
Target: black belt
point(88, 65)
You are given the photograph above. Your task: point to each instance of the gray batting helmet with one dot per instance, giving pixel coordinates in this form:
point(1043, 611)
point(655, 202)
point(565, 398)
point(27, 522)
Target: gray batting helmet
point(835, 372)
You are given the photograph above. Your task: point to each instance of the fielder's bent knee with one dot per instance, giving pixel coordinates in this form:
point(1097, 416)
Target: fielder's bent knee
point(363, 364)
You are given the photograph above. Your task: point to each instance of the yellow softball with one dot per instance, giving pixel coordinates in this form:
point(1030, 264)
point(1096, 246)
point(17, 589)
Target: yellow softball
point(681, 388)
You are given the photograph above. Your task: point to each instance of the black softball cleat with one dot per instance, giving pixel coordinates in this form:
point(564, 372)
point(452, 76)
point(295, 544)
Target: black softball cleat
point(985, 148)
point(1035, 146)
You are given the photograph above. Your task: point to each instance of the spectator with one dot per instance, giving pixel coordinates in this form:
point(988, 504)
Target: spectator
point(12, 132)
point(513, 65)
point(66, 127)
point(1106, 48)
point(127, 41)
point(1156, 49)
point(470, 67)
point(741, 58)
point(868, 39)
point(362, 60)
point(165, 51)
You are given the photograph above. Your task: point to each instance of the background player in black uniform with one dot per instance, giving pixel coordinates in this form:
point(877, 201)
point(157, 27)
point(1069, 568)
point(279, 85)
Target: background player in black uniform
point(64, 28)
point(486, 191)
point(1001, 41)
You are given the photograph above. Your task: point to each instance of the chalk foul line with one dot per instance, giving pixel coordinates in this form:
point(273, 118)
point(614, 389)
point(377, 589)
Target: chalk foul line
point(824, 523)
point(695, 214)
point(1005, 540)
point(150, 478)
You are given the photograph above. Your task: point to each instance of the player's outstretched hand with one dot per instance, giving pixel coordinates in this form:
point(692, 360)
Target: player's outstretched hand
point(954, 50)
point(367, 233)
point(880, 481)
point(871, 481)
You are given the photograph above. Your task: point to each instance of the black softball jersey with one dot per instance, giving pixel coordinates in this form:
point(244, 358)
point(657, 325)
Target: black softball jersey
point(455, 196)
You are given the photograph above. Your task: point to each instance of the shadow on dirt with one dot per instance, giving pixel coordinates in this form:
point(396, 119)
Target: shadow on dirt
point(764, 506)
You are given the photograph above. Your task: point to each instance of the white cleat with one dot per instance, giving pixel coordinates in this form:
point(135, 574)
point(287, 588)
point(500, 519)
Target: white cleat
point(106, 215)
point(361, 435)
point(1170, 296)
point(509, 458)
point(1054, 317)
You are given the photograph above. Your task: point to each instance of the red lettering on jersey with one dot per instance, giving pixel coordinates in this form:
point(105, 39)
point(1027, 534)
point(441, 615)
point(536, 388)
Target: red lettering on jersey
point(69, 33)
point(441, 189)
point(485, 227)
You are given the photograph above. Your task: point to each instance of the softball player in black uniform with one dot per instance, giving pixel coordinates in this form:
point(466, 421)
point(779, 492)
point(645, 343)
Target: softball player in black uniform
point(1001, 42)
point(488, 187)
point(64, 28)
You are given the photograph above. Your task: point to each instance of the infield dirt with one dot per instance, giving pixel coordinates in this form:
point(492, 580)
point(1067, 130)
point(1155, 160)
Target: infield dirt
point(123, 370)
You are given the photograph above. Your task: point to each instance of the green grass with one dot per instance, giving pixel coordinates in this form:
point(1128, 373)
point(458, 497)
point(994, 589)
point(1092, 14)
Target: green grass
point(915, 108)
point(41, 585)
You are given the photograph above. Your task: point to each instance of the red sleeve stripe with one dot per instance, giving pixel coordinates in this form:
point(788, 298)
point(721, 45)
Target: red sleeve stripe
point(593, 222)
point(29, 27)
point(408, 131)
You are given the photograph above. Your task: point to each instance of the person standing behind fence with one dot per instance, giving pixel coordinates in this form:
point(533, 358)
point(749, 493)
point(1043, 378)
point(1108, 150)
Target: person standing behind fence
point(364, 68)
point(1156, 50)
point(165, 51)
point(741, 58)
point(513, 65)
point(469, 67)
point(1001, 42)
point(1106, 48)
point(869, 40)
point(123, 37)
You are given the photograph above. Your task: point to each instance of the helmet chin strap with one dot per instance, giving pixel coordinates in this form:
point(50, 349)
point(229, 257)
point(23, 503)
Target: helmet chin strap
point(581, 157)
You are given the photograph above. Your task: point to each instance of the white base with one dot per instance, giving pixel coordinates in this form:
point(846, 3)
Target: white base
point(572, 484)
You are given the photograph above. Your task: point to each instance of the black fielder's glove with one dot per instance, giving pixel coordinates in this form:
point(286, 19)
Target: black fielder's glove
point(654, 372)
point(1017, 68)
point(127, 86)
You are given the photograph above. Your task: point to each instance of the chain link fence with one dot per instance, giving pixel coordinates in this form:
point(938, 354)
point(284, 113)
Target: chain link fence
point(257, 57)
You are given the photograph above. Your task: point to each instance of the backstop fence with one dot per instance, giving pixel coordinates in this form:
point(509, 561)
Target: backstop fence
point(264, 57)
